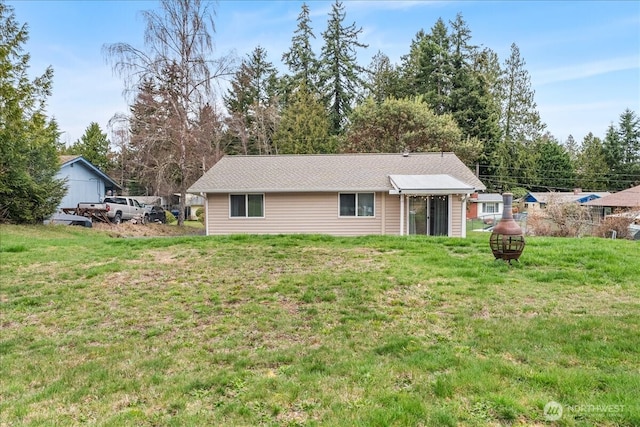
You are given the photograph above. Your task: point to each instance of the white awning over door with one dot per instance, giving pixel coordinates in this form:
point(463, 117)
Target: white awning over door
point(428, 184)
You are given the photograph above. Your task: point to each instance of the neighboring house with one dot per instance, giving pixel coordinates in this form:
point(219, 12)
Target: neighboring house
point(153, 201)
point(485, 206)
point(340, 194)
point(533, 202)
point(625, 200)
point(191, 204)
point(84, 181)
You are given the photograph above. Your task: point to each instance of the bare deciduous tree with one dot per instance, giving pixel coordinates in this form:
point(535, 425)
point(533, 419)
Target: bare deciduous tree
point(177, 56)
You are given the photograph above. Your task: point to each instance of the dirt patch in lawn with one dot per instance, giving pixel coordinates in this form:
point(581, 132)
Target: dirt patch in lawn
point(128, 229)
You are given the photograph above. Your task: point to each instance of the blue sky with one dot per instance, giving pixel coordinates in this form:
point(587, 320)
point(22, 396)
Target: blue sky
point(583, 57)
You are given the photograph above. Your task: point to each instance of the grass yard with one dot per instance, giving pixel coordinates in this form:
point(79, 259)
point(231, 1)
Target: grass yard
point(315, 330)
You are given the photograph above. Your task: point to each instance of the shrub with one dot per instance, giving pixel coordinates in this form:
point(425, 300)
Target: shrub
point(200, 214)
point(560, 219)
point(618, 223)
point(170, 217)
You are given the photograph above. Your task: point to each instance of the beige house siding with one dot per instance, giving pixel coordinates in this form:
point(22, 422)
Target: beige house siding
point(293, 213)
point(456, 215)
point(392, 214)
point(314, 213)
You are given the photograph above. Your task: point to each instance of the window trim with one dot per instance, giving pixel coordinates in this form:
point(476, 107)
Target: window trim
point(495, 207)
point(246, 205)
point(356, 193)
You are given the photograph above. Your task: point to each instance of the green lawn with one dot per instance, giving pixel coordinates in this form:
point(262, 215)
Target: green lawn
point(315, 330)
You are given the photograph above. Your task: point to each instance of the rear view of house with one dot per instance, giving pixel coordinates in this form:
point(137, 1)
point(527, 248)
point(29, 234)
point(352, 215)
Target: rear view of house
point(341, 194)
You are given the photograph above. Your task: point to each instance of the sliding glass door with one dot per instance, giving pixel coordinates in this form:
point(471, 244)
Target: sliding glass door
point(429, 215)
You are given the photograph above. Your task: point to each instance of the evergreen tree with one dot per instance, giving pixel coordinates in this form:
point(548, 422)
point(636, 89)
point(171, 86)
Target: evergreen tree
point(622, 151)
point(29, 191)
point(300, 59)
point(471, 102)
point(487, 70)
point(340, 79)
point(304, 126)
point(93, 145)
point(383, 79)
point(591, 165)
point(515, 157)
point(572, 147)
point(614, 155)
point(554, 164)
point(151, 164)
point(434, 72)
point(520, 121)
point(252, 103)
point(629, 133)
point(408, 70)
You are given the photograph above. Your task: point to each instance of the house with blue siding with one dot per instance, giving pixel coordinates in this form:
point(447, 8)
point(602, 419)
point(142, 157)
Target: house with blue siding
point(536, 201)
point(84, 181)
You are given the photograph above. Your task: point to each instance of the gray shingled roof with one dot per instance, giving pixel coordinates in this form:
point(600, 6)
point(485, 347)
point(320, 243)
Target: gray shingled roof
point(487, 198)
point(629, 198)
point(331, 172)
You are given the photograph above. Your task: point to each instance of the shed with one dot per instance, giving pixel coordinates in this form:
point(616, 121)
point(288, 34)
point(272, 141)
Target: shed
point(84, 181)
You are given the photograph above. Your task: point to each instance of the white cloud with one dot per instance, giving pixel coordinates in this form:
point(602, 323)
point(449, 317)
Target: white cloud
point(588, 69)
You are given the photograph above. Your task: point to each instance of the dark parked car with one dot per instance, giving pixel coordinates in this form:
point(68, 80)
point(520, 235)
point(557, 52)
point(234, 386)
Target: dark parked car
point(157, 214)
point(69, 219)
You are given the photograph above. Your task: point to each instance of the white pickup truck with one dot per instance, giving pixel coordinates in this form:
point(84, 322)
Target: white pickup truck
point(118, 208)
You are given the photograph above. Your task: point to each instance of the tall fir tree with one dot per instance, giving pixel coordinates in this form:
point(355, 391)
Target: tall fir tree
point(300, 59)
point(622, 151)
point(572, 147)
point(383, 79)
point(614, 155)
point(340, 74)
point(592, 169)
point(520, 120)
point(409, 86)
point(252, 104)
point(629, 133)
point(487, 69)
point(29, 189)
point(94, 146)
point(471, 102)
point(434, 71)
point(520, 124)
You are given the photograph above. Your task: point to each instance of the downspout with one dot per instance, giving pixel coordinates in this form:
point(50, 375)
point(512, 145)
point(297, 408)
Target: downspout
point(463, 215)
point(401, 214)
point(450, 216)
point(383, 216)
point(206, 214)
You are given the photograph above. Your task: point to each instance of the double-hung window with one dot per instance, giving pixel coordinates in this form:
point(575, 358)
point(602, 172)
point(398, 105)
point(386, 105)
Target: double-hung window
point(246, 205)
point(357, 204)
point(490, 208)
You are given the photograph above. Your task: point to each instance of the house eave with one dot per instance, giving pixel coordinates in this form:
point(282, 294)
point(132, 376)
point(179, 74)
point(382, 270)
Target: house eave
point(286, 190)
point(432, 192)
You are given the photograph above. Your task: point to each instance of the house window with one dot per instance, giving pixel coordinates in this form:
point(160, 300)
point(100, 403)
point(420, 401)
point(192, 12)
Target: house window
point(357, 204)
point(490, 208)
point(246, 205)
